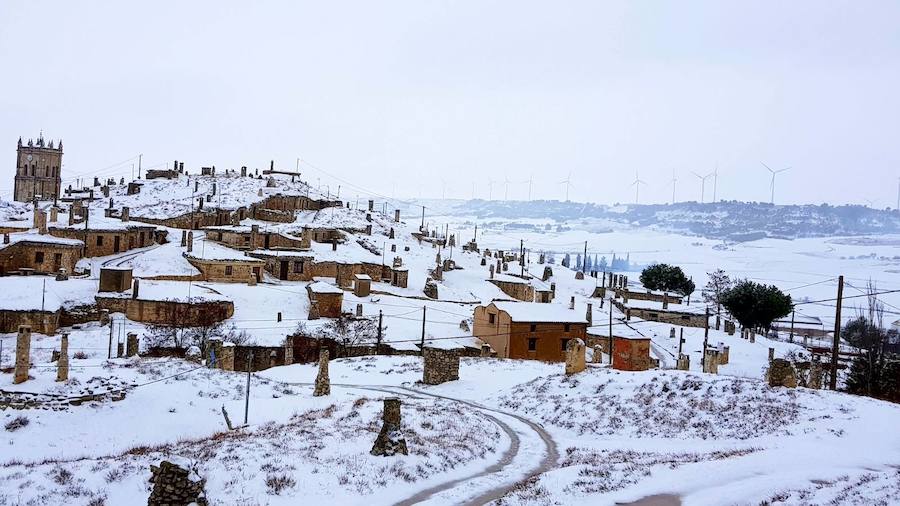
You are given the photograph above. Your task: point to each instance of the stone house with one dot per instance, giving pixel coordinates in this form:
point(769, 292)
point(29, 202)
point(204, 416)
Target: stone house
point(631, 353)
point(161, 309)
point(647, 295)
point(107, 236)
point(684, 316)
point(39, 253)
point(299, 266)
point(251, 238)
point(808, 326)
point(227, 270)
point(328, 298)
point(529, 330)
point(514, 286)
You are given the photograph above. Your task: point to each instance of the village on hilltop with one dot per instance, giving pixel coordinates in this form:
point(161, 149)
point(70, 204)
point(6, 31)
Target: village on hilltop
point(238, 336)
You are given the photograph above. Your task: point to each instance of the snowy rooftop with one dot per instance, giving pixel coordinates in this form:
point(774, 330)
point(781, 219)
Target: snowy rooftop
point(40, 238)
point(175, 291)
point(323, 287)
point(27, 293)
point(538, 312)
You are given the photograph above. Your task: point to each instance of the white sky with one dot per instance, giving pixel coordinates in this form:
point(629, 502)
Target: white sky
point(396, 96)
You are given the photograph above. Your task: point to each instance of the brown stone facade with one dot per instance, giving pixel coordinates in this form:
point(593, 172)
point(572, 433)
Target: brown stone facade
point(673, 317)
point(161, 312)
point(38, 166)
point(229, 271)
point(656, 297)
point(329, 303)
point(631, 354)
point(517, 290)
point(99, 243)
point(440, 365)
point(527, 340)
point(243, 240)
point(42, 257)
point(44, 322)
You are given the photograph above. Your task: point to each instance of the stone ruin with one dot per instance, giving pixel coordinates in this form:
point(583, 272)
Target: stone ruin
point(173, 485)
point(323, 384)
point(711, 361)
point(23, 354)
point(431, 289)
point(683, 363)
point(781, 373)
point(441, 365)
point(390, 440)
point(62, 363)
point(575, 352)
point(598, 354)
point(548, 273)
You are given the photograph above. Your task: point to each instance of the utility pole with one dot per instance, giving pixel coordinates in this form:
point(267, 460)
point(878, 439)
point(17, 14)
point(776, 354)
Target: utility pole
point(422, 341)
point(705, 338)
point(522, 256)
point(791, 337)
point(378, 338)
point(610, 335)
point(422, 227)
point(837, 334)
point(43, 294)
point(109, 348)
point(680, 342)
point(247, 398)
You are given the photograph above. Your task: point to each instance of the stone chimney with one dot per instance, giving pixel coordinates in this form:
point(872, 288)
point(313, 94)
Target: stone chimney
point(397, 215)
point(572, 302)
point(135, 288)
point(125, 214)
point(666, 300)
point(96, 181)
point(190, 241)
point(359, 310)
point(334, 245)
point(254, 235)
point(105, 190)
point(6, 238)
point(590, 314)
point(244, 171)
point(183, 238)
point(71, 216)
point(54, 214)
point(492, 271)
point(371, 205)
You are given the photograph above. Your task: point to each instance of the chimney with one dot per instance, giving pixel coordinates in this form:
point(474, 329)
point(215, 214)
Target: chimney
point(190, 241)
point(71, 216)
point(492, 271)
point(214, 188)
point(254, 234)
point(54, 214)
point(6, 238)
point(371, 205)
point(105, 190)
point(200, 204)
point(96, 181)
point(125, 214)
point(590, 314)
point(334, 245)
point(181, 167)
point(175, 166)
point(244, 171)
point(135, 288)
point(359, 312)
point(572, 302)
point(183, 238)
point(397, 215)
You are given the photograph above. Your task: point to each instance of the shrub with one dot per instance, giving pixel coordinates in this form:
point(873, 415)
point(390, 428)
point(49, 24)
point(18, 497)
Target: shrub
point(17, 423)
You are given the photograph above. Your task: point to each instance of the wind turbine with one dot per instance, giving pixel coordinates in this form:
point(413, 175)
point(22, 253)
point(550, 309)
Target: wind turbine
point(530, 182)
point(637, 186)
point(772, 184)
point(674, 180)
point(715, 175)
point(490, 188)
point(702, 184)
point(506, 182)
point(568, 182)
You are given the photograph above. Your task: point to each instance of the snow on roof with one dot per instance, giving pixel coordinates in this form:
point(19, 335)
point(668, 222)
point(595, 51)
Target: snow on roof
point(800, 320)
point(653, 305)
point(34, 237)
point(26, 293)
point(97, 221)
point(211, 250)
point(363, 277)
point(175, 291)
point(539, 312)
point(506, 278)
point(323, 287)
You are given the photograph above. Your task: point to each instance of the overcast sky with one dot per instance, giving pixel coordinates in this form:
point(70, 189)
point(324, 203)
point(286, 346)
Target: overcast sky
point(395, 97)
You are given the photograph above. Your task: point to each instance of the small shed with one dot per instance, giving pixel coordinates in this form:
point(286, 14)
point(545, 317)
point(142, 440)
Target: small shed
point(631, 353)
point(328, 298)
point(362, 285)
point(115, 279)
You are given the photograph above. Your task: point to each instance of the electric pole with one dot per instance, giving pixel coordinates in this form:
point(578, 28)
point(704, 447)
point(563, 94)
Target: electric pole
point(837, 334)
point(247, 399)
point(378, 338)
point(422, 341)
point(610, 335)
point(522, 257)
point(584, 259)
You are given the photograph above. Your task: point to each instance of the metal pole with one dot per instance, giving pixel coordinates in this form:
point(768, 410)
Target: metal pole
point(791, 337)
point(109, 348)
point(837, 334)
point(705, 339)
point(422, 342)
point(680, 341)
point(247, 398)
point(378, 346)
point(522, 256)
point(610, 334)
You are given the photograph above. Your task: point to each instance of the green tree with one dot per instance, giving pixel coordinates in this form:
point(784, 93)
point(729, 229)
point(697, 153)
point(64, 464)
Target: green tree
point(666, 278)
point(756, 305)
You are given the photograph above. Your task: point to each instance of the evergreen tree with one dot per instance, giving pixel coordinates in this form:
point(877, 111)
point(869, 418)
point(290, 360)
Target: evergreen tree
point(756, 305)
point(666, 278)
point(603, 264)
point(566, 260)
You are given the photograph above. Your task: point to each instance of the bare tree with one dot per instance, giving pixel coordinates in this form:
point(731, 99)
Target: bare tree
point(719, 282)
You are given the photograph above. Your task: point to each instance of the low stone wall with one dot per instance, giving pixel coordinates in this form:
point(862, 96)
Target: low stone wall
point(158, 312)
point(440, 365)
point(174, 486)
point(44, 322)
point(656, 297)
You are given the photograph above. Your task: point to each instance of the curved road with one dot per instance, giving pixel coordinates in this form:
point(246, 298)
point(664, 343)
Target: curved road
point(496, 480)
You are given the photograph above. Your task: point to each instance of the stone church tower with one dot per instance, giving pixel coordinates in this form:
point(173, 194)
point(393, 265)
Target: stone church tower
point(37, 170)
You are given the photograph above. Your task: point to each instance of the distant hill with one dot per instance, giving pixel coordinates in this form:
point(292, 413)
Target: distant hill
point(733, 220)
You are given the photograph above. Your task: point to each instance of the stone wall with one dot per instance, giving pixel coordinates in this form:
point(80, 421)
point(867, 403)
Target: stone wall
point(46, 258)
point(43, 322)
point(656, 297)
point(516, 290)
point(168, 312)
point(107, 242)
point(440, 365)
point(174, 486)
point(228, 271)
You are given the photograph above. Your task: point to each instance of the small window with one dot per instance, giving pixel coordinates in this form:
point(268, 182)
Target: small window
point(533, 327)
point(247, 239)
point(99, 240)
point(532, 344)
point(685, 317)
point(563, 343)
point(492, 318)
point(38, 257)
point(298, 266)
point(568, 327)
point(229, 270)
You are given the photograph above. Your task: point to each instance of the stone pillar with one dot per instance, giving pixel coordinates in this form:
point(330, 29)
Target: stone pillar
point(683, 363)
point(711, 361)
point(389, 441)
point(397, 215)
point(575, 356)
point(724, 354)
point(598, 354)
point(323, 385)
point(589, 316)
point(23, 354)
point(183, 238)
point(771, 355)
point(62, 364)
point(288, 351)
point(135, 288)
point(190, 241)
point(131, 345)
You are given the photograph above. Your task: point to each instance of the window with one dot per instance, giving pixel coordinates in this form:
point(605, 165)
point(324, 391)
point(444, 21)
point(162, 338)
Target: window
point(38, 257)
point(568, 327)
point(563, 343)
point(298, 266)
point(532, 344)
point(685, 317)
point(533, 327)
point(57, 258)
point(246, 239)
point(492, 318)
point(99, 240)
point(228, 270)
